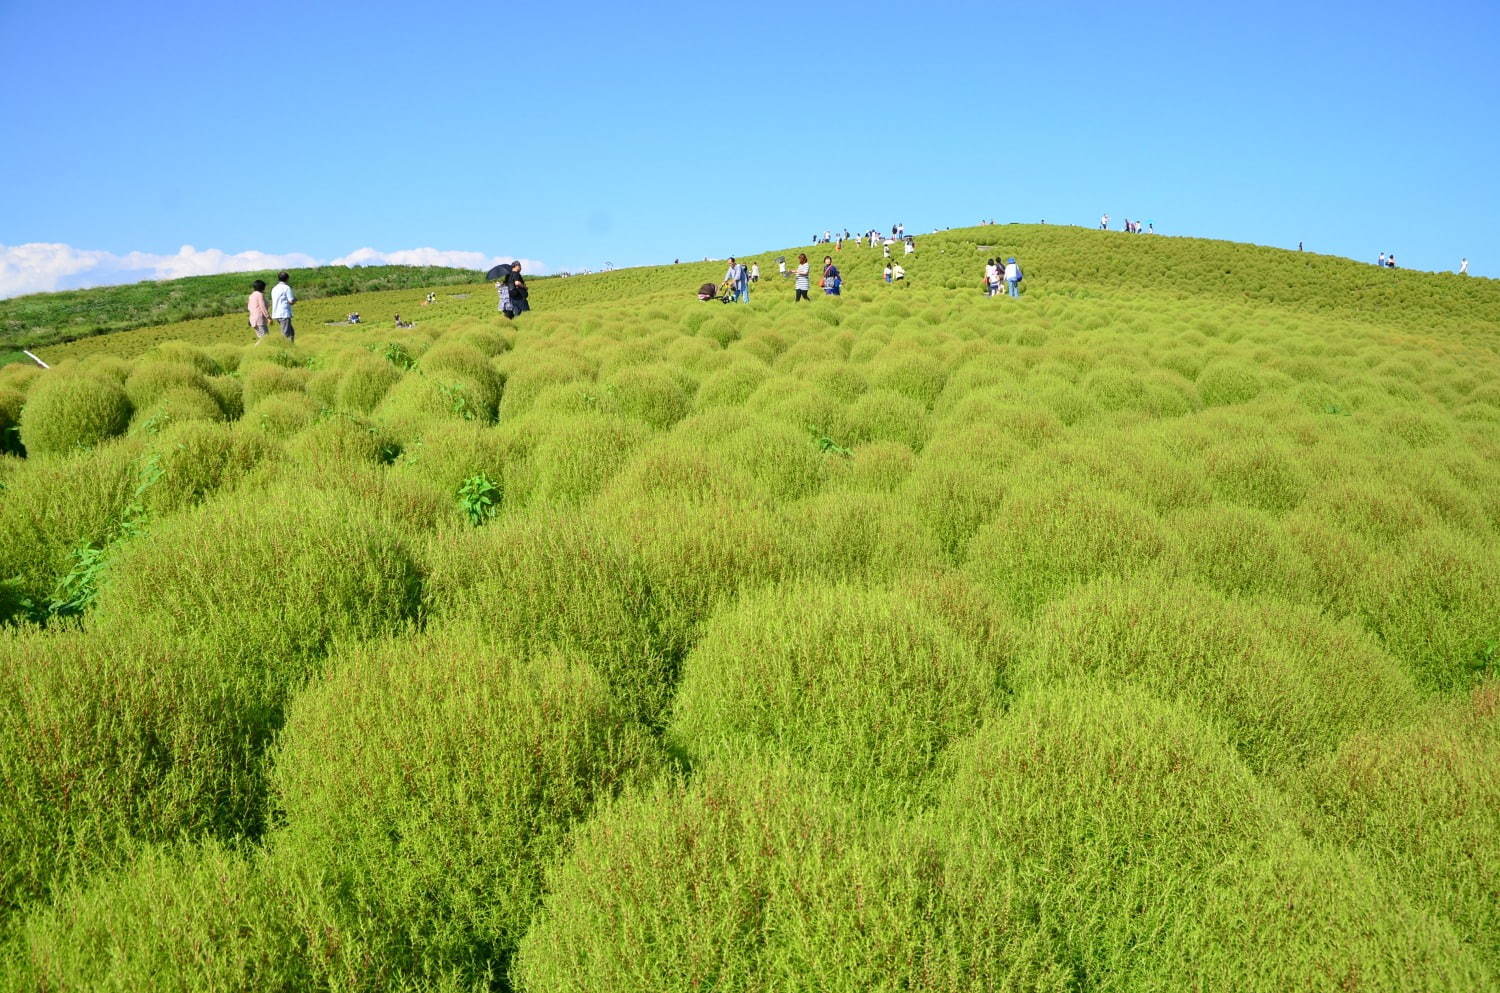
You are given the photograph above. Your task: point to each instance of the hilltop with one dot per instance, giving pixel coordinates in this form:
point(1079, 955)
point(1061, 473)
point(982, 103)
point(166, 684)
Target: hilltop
point(1058, 260)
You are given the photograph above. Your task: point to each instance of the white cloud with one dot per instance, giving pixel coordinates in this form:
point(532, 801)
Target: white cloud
point(41, 267)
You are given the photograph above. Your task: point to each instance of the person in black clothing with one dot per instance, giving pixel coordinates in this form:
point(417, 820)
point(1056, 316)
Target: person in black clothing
point(513, 293)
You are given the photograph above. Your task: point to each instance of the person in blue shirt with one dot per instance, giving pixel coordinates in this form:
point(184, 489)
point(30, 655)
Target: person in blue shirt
point(832, 282)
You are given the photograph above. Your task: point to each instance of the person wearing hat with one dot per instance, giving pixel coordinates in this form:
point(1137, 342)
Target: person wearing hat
point(1013, 276)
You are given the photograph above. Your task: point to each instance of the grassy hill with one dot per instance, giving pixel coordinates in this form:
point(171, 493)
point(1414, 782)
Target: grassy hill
point(40, 319)
point(1137, 634)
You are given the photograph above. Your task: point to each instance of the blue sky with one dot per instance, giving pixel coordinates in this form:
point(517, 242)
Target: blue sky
point(589, 133)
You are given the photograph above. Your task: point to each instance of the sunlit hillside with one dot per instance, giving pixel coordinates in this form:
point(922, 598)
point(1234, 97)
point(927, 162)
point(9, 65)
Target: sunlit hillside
point(1140, 633)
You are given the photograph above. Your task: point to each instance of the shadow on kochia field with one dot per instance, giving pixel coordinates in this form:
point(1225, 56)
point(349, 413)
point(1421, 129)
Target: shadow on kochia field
point(1136, 634)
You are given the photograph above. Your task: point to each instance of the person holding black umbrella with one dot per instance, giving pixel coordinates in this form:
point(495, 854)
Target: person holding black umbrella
point(512, 289)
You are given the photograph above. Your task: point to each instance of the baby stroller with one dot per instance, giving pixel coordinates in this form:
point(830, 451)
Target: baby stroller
point(726, 291)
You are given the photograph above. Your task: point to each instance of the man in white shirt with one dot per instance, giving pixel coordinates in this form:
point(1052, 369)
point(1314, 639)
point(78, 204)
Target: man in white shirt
point(1463, 267)
point(282, 299)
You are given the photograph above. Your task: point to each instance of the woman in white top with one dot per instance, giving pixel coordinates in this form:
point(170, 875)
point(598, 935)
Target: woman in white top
point(801, 284)
point(991, 278)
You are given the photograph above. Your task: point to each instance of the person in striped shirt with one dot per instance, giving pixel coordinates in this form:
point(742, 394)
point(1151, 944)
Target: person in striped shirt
point(801, 284)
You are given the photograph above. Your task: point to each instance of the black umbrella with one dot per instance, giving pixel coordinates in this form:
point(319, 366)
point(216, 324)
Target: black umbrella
point(500, 271)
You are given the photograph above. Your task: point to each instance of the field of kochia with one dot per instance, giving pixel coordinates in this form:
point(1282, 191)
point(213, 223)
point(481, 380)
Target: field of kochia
point(1140, 634)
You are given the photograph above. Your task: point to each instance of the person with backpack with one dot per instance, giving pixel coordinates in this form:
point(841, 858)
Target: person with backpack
point(832, 282)
point(1013, 276)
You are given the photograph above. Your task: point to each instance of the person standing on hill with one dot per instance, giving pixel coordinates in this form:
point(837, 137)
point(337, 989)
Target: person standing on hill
point(1104, 222)
point(832, 282)
point(1463, 267)
point(801, 283)
point(1380, 261)
point(755, 272)
point(519, 294)
point(1390, 261)
point(991, 278)
point(1013, 276)
point(260, 318)
point(282, 299)
point(887, 274)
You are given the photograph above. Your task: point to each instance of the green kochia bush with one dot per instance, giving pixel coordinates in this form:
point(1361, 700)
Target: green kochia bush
point(190, 461)
point(331, 569)
point(107, 742)
point(364, 383)
point(1420, 803)
point(862, 685)
point(65, 411)
point(177, 920)
point(425, 785)
point(51, 507)
point(756, 876)
point(545, 581)
point(1434, 599)
point(1045, 540)
point(1140, 843)
point(1284, 683)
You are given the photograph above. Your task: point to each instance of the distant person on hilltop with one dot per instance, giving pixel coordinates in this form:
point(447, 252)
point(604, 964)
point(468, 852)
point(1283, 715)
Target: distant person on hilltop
point(282, 299)
point(260, 318)
point(911, 245)
point(1104, 222)
point(802, 273)
point(755, 272)
point(1463, 267)
point(1380, 261)
point(781, 268)
point(1390, 261)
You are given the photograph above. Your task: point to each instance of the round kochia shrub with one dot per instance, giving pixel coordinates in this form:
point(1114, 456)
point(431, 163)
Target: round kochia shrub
point(150, 378)
point(1044, 540)
point(756, 876)
point(542, 581)
point(364, 383)
point(51, 507)
point(861, 684)
point(1149, 854)
point(1421, 803)
point(65, 411)
point(1286, 683)
point(179, 919)
point(175, 406)
point(275, 575)
point(187, 462)
point(104, 742)
point(427, 783)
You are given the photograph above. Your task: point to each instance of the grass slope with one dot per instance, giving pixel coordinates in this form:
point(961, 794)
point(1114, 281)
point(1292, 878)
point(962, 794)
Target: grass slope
point(1139, 634)
point(41, 319)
